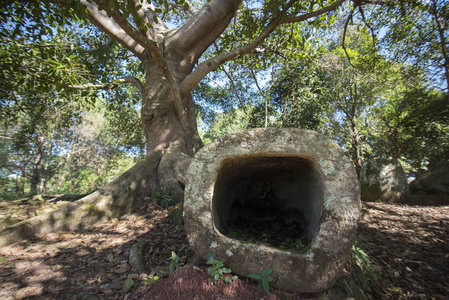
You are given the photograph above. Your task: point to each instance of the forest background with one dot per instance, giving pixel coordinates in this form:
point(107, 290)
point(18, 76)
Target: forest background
point(374, 78)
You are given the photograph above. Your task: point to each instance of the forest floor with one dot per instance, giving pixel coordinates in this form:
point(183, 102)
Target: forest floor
point(408, 247)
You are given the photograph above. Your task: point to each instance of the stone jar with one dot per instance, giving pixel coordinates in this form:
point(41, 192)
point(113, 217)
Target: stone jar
point(291, 177)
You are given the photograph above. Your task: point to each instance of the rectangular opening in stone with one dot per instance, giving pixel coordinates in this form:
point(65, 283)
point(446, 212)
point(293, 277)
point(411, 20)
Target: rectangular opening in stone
point(276, 200)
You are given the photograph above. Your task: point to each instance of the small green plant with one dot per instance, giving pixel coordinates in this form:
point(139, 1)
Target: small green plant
point(296, 244)
point(265, 237)
point(348, 287)
point(263, 278)
point(217, 270)
point(165, 199)
point(325, 296)
point(359, 266)
point(174, 264)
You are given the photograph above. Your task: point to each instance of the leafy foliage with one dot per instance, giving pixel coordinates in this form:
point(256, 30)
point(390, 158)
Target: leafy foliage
point(165, 199)
point(217, 271)
point(263, 278)
point(361, 102)
point(417, 32)
point(46, 131)
point(359, 265)
point(174, 262)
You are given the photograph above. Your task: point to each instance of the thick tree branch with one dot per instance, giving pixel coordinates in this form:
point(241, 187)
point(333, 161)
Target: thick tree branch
point(154, 49)
point(212, 64)
point(143, 19)
point(147, 15)
point(199, 32)
point(111, 28)
point(110, 85)
point(150, 45)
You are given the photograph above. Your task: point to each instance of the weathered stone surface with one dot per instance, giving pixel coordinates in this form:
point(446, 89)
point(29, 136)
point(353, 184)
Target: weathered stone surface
point(383, 180)
point(301, 171)
point(433, 182)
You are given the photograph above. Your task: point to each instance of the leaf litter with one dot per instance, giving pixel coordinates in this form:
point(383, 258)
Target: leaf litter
point(408, 247)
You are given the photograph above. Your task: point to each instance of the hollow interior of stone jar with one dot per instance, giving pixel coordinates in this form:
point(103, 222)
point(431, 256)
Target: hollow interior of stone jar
point(276, 200)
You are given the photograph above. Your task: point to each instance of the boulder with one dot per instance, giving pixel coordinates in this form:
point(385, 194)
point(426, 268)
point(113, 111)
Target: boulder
point(383, 180)
point(435, 181)
point(285, 199)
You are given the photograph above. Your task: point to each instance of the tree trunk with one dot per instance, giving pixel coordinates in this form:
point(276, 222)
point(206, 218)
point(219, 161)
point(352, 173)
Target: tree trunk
point(356, 148)
point(36, 172)
point(165, 133)
point(444, 50)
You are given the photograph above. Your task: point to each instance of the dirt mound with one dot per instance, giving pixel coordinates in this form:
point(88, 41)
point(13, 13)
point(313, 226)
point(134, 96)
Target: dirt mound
point(194, 283)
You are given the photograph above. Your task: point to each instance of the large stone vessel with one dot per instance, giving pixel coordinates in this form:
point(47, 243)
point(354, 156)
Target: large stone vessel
point(297, 185)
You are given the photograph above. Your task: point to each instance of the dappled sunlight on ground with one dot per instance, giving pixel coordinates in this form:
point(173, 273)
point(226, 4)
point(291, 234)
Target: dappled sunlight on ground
point(409, 247)
point(93, 261)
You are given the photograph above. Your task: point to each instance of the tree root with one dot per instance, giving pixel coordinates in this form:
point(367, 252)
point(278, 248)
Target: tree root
point(114, 200)
point(136, 258)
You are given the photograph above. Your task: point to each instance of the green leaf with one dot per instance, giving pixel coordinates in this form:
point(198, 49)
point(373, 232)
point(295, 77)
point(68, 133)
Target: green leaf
point(128, 284)
point(186, 6)
point(141, 26)
point(265, 285)
point(266, 272)
point(210, 258)
point(2, 259)
point(255, 276)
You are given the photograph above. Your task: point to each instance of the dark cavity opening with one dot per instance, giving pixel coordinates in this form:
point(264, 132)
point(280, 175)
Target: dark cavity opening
point(274, 200)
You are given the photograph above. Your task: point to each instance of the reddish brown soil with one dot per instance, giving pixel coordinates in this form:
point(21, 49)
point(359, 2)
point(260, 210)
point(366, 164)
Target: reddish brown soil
point(194, 283)
point(408, 245)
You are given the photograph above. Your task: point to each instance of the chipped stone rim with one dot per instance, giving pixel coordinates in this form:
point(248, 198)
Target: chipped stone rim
point(329, 249)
